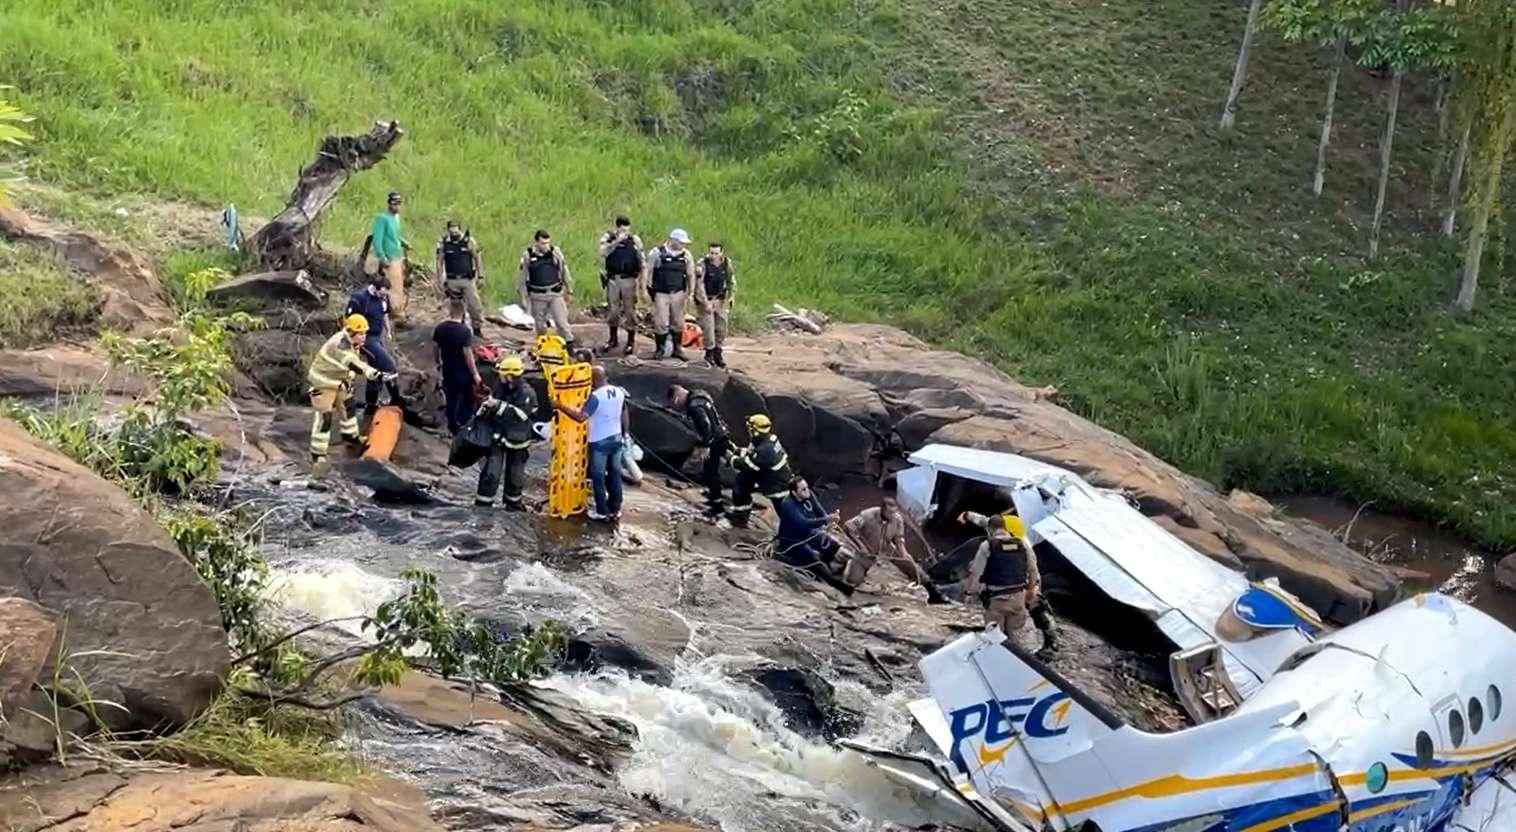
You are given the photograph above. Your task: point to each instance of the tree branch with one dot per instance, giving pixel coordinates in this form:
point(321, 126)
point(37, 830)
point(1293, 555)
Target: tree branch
point(284, 639)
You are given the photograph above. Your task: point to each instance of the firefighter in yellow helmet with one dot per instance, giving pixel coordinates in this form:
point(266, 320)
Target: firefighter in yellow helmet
point(1004, 577)
point(763, 468)
point(331, 376)
point(509, 410)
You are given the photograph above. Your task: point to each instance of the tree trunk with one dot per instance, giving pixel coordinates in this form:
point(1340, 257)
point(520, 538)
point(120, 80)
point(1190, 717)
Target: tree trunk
point(1455, 182)
point(1326, 120)
point(1483, 205)
point(285, 243)
point(1240, 74)
point(1386, 152)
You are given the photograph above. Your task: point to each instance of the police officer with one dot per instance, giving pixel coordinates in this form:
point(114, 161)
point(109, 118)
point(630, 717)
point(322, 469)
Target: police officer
point(700, 409)
point(714, 285)
point(462, 271)
point(509, 410)
point(1004, 577)
point(545, 285)
point(621, 252)
point(670, 271)
point(762, 467)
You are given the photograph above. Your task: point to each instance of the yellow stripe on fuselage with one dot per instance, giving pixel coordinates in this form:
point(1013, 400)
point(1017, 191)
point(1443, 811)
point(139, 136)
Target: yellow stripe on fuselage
point(1381, 809)
point(1294, 817)
point(1178, 784)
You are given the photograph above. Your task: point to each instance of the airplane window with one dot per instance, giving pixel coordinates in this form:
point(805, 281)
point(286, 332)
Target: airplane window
point(1378, 777)
point(1423, 749)
point(1492, 698)
point(1476, 715)
point(1455, 728)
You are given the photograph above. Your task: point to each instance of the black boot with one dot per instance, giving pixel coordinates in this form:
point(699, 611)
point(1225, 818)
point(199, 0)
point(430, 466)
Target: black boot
point(658, 345)
point(614, 342)
point(631, 340)
point(677, 351)
point(933, 594)
point(710, 357)
point(720, 357)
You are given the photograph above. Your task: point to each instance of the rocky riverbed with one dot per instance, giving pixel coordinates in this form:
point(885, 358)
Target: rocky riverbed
point(704, 685)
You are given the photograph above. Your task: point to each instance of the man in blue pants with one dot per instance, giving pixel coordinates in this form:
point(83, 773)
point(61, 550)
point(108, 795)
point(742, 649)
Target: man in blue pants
point(610, 424)
point(373, 303)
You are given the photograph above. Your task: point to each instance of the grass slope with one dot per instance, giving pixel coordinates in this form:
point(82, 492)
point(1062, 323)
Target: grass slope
point(1035, 181)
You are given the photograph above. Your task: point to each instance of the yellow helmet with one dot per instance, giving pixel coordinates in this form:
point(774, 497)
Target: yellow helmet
point(1013, 526)
point(759, 424)
point(510, 367)
point(355, 323)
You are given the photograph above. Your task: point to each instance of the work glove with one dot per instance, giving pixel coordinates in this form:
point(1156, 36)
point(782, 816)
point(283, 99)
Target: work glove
point(371, 375)
point(389, 376)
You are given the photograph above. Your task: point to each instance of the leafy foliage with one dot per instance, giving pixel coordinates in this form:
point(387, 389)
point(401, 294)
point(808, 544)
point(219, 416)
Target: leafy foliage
point(456, 645)
point(12, 134)
point(1320, 22)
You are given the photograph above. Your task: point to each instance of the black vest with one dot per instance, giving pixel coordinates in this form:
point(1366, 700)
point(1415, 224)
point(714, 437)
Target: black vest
point(542, 272)
point(623, 260)
point(718, 279)
point(457, 259)
point(1006, 567)
point(702, 408)
point(672, 274)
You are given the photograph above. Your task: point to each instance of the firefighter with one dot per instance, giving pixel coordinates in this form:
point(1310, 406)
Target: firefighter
point(509, 410)
point(331, 376)
point(763, 468)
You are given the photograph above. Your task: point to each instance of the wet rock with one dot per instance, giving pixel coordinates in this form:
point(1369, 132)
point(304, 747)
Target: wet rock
point(275, 359)
point(74, 543)
point(389, 483)
point(1505, 573)
point(807, 700)
point(33, 731)
point(598, 650)
point(1249, 503)
point(27, 632)
point(95, 798)
point(268, 288)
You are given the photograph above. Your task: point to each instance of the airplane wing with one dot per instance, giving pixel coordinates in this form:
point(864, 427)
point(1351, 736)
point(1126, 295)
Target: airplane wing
point(1140, 564)
point(1491, 808)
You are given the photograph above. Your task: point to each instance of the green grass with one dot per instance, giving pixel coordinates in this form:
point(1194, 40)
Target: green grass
point(1038, 182)
point(43, 302)
point(249, 737)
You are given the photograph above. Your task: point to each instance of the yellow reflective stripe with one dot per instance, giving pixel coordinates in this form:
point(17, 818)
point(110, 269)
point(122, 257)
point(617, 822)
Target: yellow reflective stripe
point(1381, 809)
point(784, 459)
point(1178, 784)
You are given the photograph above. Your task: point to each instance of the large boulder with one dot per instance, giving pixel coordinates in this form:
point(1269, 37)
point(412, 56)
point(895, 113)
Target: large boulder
point(88, 799)
point(61, 370)
point(1505, 573)
point(141, 628)
point(268, 288)
point(27, 633)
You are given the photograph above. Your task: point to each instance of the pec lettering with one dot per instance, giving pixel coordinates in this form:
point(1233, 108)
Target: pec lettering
point(993, 723)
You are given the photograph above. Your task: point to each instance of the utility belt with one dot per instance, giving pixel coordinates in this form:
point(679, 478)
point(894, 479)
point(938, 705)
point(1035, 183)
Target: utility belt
point(545, 290)
point(990, 593)
point(466, 276)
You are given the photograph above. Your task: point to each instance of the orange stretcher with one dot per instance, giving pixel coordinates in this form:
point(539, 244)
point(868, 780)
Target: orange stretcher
point(384, 432)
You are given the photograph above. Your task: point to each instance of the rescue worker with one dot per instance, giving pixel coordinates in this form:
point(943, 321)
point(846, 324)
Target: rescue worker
point(621, 253)
point(462, 270)
point(388, 248)
point(667, 277)
point(715, 287)
point(710, 431)
point(762, 467)
point(1013, 527)
point(610, 425)
point(878, 533)
point(509, 409)
point(1004, 577)
point(545, 285)
point(373, 303)
point(802, 540)
point(454, 351)
point(330, 378)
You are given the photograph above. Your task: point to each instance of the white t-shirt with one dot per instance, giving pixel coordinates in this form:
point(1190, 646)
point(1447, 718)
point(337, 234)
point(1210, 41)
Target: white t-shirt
point(604, 410)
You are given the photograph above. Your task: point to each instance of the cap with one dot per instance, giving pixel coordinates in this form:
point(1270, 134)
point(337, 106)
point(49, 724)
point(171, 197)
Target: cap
point(394, 196)
point(679, 235)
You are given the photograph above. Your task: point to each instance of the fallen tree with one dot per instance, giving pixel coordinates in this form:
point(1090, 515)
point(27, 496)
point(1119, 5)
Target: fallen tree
point(285, 242)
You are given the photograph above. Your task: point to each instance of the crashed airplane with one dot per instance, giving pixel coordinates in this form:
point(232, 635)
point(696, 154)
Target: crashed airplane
point(1392, 724)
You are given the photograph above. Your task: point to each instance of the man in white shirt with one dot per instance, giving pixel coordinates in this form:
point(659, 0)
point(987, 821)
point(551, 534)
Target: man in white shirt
point(610, 423)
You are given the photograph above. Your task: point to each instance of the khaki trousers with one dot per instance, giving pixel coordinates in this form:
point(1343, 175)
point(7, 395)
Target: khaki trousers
point(714, 317)
point(327, 407)
point(1008, 612)
point(395, 271)
point(621, 300)
point(550, 310)
point(668, 313)
point(468, 287)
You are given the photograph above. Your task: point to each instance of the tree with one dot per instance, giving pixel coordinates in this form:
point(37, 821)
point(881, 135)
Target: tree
point(1326, 23)
point(1487, 34)
point(1240, 73)
point(12, 135)
point(1406, 40)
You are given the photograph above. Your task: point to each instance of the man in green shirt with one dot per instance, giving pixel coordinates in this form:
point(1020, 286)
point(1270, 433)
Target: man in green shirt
point(388, 247)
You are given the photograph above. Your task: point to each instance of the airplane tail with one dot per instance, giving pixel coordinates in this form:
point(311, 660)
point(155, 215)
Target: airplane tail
point(1003, 706)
